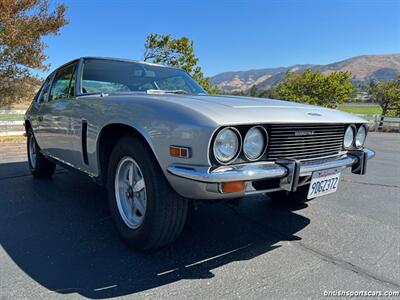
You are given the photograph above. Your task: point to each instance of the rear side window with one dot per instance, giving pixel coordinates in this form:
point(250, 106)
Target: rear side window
point(64, 83)
point(43, 93)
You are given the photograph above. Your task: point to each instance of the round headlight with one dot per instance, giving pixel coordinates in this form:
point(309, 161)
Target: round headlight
point(360, 136)
point(226, 145)
point(254, 143)
point(348, 139)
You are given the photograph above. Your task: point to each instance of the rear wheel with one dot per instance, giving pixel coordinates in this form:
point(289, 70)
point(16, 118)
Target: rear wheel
point(299, 196)
point(39, 165)
point(148, 214)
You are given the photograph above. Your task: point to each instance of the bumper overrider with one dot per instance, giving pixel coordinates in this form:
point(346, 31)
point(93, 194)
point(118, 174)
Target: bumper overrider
point(205, 182)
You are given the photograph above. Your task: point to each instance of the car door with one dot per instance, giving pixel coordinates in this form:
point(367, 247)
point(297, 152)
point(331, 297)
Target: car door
point(36, 115)
point(56, 113)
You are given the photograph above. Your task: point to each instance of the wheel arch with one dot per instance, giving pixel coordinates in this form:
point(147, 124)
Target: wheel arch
point(108, 137)
point(27, 125)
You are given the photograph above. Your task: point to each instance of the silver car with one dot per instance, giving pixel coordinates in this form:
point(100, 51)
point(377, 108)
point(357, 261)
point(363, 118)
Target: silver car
point(155, 139)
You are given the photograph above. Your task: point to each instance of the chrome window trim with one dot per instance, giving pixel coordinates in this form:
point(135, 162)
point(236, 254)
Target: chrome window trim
point(78, 84)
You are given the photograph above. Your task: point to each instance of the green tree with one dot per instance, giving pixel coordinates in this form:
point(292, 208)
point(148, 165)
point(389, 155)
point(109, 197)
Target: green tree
point(253, 92)
point(387, 95)
point(235, 93)
point(162, 48)
point(23, 23)
point(315, 88)
point(268, 93)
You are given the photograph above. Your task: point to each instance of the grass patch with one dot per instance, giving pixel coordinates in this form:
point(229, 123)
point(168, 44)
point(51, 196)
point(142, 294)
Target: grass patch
point(13, 139)
point(11, 116)
point(364, 110)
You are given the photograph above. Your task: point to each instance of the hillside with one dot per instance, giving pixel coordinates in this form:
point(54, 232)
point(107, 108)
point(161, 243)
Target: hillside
point(364, 68)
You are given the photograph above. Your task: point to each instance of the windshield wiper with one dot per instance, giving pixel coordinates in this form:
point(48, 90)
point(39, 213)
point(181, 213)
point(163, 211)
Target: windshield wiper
point(105, 94)
point(166, 92)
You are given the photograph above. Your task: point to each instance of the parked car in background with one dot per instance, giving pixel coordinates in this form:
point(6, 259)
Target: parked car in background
point(155, 139)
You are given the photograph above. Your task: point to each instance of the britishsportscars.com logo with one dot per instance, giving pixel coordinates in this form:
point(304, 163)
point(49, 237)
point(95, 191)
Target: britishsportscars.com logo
point(352, 294)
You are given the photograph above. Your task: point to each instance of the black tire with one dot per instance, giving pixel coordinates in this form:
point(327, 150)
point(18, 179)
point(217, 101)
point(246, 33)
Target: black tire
point(300, 196)
point(166, 211)
point(41, 167)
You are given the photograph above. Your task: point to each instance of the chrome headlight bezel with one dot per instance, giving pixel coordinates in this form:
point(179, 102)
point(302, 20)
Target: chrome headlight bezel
point(354, 130)
point(360, 145)
point(265, 140)
point(238, 148)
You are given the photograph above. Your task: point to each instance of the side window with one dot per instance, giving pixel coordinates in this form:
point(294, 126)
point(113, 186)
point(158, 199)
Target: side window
point(64, 83)
point(72, 84)
point(44, 91)
point(103, 77)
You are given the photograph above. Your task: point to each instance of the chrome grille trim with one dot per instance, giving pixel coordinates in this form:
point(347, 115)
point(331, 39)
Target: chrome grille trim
point(328, 134)
point(334, 139)
point(319, 140)
point(305, 145)
point(304, 149)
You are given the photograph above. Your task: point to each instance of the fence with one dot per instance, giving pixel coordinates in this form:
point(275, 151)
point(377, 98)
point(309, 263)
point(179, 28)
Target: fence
point(11, 128)
point(11, 122)
point(382, 123)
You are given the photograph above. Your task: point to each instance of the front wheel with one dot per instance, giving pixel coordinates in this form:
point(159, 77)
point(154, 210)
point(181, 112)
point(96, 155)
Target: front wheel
point(148, 214)
point(39, 165)
point(299, 196)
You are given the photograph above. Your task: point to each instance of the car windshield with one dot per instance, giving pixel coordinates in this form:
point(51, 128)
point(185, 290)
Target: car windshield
point(113, 76)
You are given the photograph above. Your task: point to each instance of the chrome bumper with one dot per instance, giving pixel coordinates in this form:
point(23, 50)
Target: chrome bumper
point(288, 170)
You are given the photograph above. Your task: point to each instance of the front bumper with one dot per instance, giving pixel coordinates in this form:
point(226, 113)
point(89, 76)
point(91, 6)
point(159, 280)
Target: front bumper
point(287, 170)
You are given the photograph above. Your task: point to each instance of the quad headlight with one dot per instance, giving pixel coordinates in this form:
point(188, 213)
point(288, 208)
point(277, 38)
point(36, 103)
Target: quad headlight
point(354, 138)
point(360, 136)
point(227, 145)
point(348, 139)
point(255, 143)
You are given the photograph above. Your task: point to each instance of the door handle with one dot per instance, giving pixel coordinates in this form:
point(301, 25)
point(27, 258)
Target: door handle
point(40, 118)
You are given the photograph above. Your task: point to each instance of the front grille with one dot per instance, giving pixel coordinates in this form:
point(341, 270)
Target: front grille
point(304, 141)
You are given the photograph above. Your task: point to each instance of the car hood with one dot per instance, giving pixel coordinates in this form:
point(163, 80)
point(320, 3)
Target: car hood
point(233, 110)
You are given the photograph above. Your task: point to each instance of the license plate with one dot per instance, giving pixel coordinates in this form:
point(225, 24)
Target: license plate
point(323, 183)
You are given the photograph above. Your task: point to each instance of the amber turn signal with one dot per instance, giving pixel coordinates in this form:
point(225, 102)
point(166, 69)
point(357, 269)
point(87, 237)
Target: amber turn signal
point(179, 151)
point(232, 187)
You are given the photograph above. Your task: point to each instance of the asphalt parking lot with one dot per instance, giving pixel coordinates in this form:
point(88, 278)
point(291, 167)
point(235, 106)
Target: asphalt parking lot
point(57, 240)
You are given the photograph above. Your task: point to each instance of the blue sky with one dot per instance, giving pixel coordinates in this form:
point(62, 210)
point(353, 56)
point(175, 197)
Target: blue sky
point(231, 35)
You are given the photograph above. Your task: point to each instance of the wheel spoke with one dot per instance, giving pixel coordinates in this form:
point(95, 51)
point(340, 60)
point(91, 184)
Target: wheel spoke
point(139, 205)
point(137, 174)
point(130, 174)
point(139, 186)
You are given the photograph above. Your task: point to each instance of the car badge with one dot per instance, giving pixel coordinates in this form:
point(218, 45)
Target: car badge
point(303, 132)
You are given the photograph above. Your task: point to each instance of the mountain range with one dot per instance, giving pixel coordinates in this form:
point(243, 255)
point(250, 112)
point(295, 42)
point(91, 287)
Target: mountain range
point(364, 69)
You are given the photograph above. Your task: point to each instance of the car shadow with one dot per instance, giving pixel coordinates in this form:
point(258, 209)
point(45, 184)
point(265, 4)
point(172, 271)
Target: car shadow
point(59, 232)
